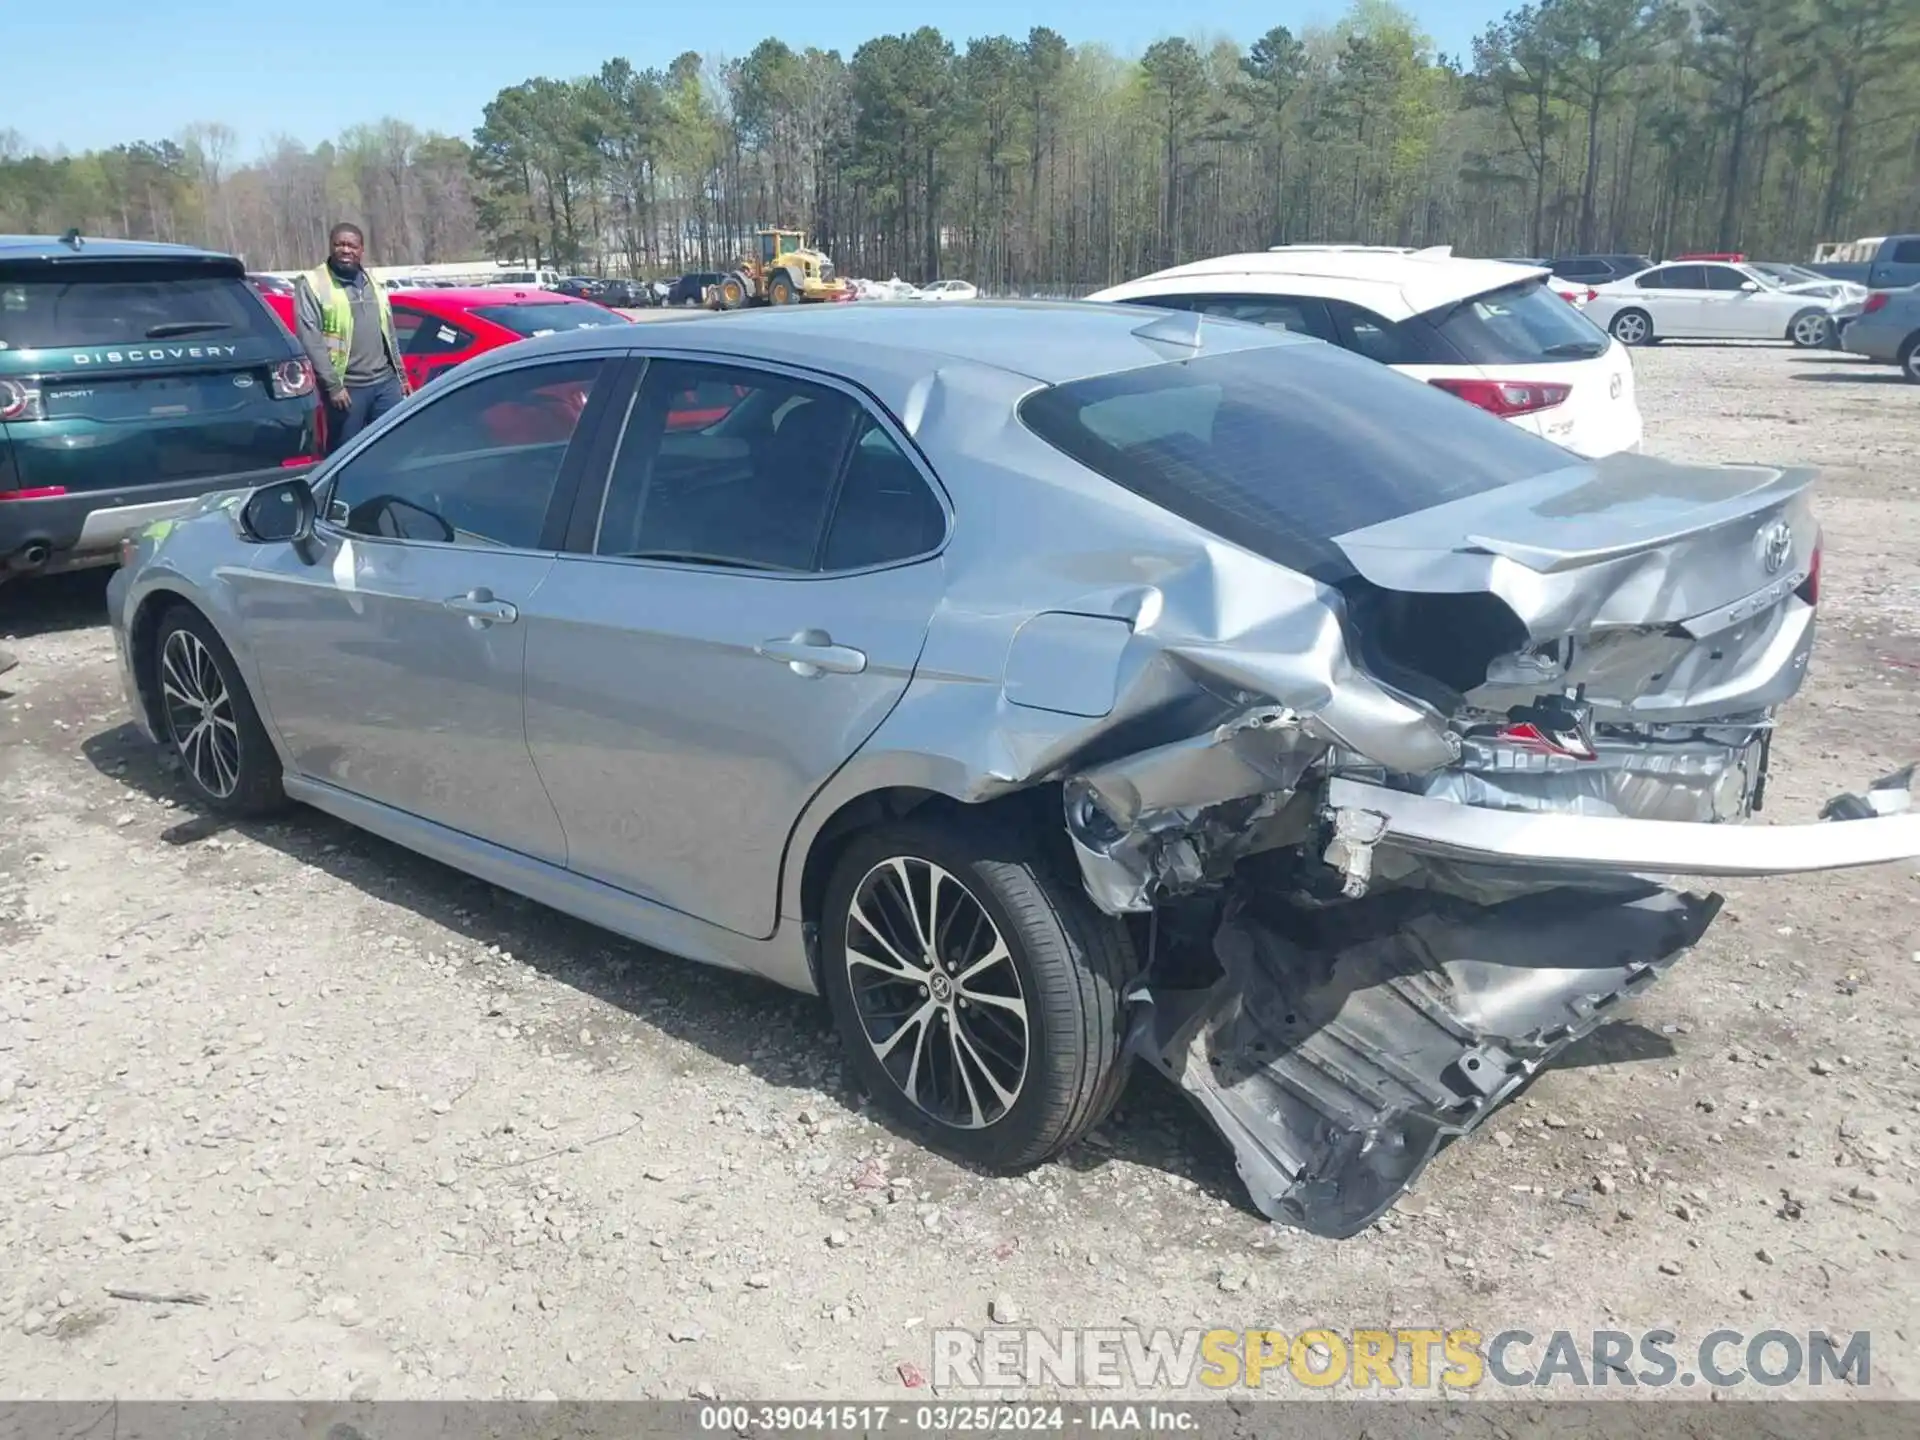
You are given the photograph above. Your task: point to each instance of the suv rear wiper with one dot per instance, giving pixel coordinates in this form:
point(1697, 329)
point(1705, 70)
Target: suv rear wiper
point(185, 327)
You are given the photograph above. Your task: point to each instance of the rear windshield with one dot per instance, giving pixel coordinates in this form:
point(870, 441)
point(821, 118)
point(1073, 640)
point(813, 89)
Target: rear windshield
point(1280, 449)
point(117, 305)
point(545, 319)
point(1524, 324)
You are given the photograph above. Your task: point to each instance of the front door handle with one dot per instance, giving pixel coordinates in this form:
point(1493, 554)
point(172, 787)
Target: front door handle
point(812, 652)
point(481, 609)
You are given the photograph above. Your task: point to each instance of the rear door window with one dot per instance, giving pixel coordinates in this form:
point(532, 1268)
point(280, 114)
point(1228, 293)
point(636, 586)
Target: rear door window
point(1301, 314)
point(1368, 333)
point(114, 304)
point(1906, 252)
point(1524, 324)
point(1281, 449)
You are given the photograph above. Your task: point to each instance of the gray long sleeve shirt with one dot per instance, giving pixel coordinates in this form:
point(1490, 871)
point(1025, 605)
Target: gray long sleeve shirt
point(368, 362)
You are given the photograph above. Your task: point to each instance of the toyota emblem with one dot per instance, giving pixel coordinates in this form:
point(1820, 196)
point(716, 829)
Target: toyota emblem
point(1775, 544)
point(1614, 387)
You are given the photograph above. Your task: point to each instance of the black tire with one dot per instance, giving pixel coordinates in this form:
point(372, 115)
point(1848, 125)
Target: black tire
point(1910, 359)
point(780, 290)
point(1072, 965)
point(255, 766)
point(1635, 323)
point(1811, 330)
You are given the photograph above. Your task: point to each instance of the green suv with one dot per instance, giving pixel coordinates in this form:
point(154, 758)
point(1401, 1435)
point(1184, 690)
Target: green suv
point(134, 377)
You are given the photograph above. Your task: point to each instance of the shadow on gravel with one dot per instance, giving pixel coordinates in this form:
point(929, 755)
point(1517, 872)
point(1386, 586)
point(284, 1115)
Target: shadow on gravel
point(76, 600)
point(1878, 375)
point(783, 1038)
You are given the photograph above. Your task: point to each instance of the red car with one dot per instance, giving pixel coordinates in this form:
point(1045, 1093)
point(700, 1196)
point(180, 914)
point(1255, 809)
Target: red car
point(437, 329)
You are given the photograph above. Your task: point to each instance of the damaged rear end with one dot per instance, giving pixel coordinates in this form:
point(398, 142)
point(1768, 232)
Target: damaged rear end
point(1429, 835)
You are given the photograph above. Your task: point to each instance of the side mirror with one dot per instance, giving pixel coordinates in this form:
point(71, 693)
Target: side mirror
point(279, 513)
point(1749, 286)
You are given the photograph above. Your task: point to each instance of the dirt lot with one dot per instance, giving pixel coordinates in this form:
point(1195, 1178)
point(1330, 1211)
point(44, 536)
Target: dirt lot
point(411, 1137)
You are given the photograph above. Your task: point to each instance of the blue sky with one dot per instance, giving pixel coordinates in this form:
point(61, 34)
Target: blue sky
point(104, 71)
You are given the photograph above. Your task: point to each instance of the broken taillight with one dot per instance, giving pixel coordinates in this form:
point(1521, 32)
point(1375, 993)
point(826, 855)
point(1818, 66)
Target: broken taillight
point(1527, 736)
point(1809, 588)
point(1507, 397)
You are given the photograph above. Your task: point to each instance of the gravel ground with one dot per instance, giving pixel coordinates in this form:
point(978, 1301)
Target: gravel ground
point(408, 1136)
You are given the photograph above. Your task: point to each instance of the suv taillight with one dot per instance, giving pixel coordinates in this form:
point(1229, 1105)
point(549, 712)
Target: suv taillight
point(292, 379)
point(1876, 301)
point(20, 401)
point(1507, 397)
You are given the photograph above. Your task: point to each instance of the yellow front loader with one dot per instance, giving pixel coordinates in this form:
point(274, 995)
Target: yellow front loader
point(782, 271)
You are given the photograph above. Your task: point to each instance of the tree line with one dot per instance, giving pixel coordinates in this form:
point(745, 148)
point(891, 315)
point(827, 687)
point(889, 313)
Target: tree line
point(1033, 163)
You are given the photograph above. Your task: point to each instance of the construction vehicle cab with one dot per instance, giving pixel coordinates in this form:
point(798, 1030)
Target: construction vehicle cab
point(781, 270)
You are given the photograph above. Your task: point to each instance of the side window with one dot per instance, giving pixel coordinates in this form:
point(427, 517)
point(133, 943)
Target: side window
point(476, 466)
point(428, 335)
point(1686, 277)
point(751, 490)
point(1906, 252)
point(1582, 269)
point(1300, 314)
point(1656, 279)
point(885, 511)
point(1371, 335)
point(1724, 277)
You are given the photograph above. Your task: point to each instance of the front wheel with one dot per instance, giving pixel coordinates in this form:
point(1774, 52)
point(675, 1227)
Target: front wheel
point(1632, 327)
point(1811, 330)
point(1910, 359)
point(733, 293)
point(210, 720)
point(979, 996)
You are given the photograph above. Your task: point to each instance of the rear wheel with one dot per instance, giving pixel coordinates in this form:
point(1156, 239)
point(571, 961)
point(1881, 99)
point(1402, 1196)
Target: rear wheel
point(1910, 358)
point(1632, 327)
point(980, 997)
point(210, 720)
point(1811, 330)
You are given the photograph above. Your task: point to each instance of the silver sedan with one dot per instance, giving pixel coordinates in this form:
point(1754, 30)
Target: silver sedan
point(1887, 329)
point(1049, 685)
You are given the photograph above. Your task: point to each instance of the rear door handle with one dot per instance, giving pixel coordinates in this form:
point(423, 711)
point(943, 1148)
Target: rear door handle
point(481, 609)
point(812, 652)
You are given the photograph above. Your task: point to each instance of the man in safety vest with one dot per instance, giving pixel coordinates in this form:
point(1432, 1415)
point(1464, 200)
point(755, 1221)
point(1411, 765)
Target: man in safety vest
point(345, 326)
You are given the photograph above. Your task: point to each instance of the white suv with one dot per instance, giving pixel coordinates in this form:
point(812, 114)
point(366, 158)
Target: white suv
point(1492, 333)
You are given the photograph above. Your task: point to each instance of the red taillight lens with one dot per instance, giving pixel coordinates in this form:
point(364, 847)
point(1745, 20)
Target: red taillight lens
point(292, 379)
point(20, 401)
point(1876, 301)
point(38, 492)
point(1507, 397)
point(1809, 589)
point(1592, 295)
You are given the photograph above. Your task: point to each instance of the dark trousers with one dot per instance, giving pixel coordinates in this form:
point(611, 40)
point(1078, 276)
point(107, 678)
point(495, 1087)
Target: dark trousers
point(365, 404)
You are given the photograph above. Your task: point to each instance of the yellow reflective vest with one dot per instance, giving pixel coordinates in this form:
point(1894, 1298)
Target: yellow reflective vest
point(336, 320)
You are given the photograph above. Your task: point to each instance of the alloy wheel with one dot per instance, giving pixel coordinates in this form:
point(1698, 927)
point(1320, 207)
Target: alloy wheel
point(200, 713)
point(937, 993)
point(1810, 330)
point(1629, 329)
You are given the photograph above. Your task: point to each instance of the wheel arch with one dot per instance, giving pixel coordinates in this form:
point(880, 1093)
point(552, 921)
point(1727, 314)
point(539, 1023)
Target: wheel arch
point(826, 839)
point(142, 628)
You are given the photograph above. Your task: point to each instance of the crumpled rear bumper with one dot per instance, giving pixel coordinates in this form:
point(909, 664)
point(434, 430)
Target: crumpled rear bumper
point(1338, 1053)
point(1336, 1075)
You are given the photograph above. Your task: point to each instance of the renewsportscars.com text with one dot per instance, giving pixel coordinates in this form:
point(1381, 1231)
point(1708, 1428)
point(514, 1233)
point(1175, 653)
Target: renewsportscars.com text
point(1416, 1358)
